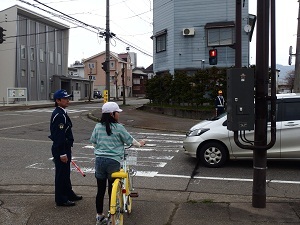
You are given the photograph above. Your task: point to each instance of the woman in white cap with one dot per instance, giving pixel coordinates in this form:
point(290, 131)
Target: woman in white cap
point(108, 138)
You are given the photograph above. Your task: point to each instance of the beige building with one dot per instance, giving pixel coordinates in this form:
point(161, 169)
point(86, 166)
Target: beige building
point(93, 67)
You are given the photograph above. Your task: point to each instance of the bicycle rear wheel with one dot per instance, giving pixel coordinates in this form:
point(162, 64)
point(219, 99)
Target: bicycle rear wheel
point(116, 204)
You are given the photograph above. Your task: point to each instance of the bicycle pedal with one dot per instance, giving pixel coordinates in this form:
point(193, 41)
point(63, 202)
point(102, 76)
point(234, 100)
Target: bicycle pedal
point(134, 194)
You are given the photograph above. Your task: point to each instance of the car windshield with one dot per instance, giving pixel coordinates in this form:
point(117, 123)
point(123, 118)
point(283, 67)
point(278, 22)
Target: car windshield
point(217, 117)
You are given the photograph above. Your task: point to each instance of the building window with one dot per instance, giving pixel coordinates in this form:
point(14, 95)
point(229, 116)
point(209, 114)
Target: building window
point(220, 34)
point(136, 81)
point(112, 65)
point(59, 59)
point(23, 52)
point(32, 53)
point(32, 73)
point(41, 55)
point(161, 41)
point(51, 57)
point(23, 73)
point(42, 86)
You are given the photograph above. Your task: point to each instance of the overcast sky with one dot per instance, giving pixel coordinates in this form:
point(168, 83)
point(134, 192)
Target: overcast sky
point(286, 29)
point(131, 20)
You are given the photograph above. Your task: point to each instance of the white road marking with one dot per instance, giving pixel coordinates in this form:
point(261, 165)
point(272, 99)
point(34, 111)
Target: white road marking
point(151, 164)
point(158, 157)
point(51, 110)
point(156, 174)
point(163, 141)
point(161, 134)
point(24, 125)
point(88, 146)
point(146, 173)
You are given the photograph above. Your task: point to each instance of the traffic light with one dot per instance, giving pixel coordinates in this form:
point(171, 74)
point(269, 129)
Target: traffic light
point(213, 57)
point(104, 66)
point(105, 96)
point(2, 35)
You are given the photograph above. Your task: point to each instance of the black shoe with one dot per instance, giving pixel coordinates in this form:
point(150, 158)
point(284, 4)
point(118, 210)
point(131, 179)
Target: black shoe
point(67, 203)
point(75, 198)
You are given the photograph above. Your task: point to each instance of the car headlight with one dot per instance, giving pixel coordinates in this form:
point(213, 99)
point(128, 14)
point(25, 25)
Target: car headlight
point(196, 132)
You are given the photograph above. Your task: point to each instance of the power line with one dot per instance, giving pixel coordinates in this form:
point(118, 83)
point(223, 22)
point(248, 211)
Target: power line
point(85, 24)
point(131, 45)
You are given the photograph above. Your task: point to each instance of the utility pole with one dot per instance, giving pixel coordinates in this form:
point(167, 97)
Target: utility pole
point(297, 61)
point(261, 106)
point(107, 51)
point(90, 78)
point(123, 83)
point(238, 35)
point(262, 97)
point(116, 82)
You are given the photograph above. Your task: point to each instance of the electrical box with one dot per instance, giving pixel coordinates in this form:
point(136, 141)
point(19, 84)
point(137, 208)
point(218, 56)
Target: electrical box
point(240, 99)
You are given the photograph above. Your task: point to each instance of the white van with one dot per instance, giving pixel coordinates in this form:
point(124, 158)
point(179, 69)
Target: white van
point(213, 144)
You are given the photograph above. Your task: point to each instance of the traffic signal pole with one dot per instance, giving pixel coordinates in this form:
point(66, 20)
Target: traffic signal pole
point(107, 51)
point(261, 104)
point(238, 35)
point(297, 61)
point(262, 97)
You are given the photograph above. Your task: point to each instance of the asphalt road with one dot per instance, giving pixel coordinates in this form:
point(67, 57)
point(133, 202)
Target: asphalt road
point(162, 166)
point(25, 147)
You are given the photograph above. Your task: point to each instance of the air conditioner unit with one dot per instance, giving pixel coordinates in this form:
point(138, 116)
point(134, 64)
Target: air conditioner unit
point(188, 31)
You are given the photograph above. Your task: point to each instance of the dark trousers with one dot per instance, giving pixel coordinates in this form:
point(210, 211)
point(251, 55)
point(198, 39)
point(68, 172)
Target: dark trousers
point(104, 167)
point(220, 110)
point(63, 186)
point(101, 188)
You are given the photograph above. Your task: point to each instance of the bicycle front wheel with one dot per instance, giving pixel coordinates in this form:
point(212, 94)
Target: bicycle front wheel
point(116, 204)
point(129, 204)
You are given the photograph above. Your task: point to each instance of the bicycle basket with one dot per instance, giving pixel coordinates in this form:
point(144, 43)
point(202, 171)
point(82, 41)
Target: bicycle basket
point(131, 158)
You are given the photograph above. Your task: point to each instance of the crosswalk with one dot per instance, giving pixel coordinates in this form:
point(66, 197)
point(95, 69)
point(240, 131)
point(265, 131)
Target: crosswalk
point(151, 159)
point(70, 111)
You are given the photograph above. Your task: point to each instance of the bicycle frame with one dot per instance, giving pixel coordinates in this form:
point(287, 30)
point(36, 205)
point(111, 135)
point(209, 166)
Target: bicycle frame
point(121, 201)
point(121, 177)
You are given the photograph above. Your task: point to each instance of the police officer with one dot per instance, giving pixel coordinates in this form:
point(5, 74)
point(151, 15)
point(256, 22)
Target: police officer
point(62, 137)
point(220, 103)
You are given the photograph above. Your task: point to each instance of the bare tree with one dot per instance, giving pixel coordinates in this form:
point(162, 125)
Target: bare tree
point(290, 80)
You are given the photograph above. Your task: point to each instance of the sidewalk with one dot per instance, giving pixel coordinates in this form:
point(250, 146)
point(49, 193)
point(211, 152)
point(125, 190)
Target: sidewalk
point(20, 205)
point(34, 205)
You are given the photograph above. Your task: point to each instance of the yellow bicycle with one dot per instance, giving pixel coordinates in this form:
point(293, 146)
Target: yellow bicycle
point(122, 191)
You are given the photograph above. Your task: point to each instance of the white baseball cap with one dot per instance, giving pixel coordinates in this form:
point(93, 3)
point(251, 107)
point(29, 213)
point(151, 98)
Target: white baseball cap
point(110, 107)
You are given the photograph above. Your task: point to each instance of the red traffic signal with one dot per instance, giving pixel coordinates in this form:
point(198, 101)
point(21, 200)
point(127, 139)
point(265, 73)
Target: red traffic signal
point(213, 57)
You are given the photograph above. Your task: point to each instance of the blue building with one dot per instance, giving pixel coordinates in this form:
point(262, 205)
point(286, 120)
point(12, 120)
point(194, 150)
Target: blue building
point(185, 31)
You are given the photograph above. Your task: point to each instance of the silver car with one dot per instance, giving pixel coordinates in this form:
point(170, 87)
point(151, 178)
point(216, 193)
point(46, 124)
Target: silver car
point(213, 144)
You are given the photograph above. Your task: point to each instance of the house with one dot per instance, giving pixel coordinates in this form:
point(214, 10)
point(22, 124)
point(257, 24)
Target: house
point(76, 69)
point(93, 68)
point(34, 56)
point(185, 31)
point(139, 80)
point(149, 71)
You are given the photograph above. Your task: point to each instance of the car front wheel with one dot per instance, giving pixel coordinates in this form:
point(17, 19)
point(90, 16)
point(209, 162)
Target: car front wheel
point(212, 154)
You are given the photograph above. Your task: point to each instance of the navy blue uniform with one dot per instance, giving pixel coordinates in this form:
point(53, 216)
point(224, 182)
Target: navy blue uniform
point(62, 137)
point(220, 105)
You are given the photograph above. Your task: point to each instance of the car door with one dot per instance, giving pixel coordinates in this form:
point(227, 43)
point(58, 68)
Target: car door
point(248, 138)
point(290, 129)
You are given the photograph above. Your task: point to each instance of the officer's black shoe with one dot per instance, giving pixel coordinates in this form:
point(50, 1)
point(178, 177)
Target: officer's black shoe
point(75, 198)
point(67, 203)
